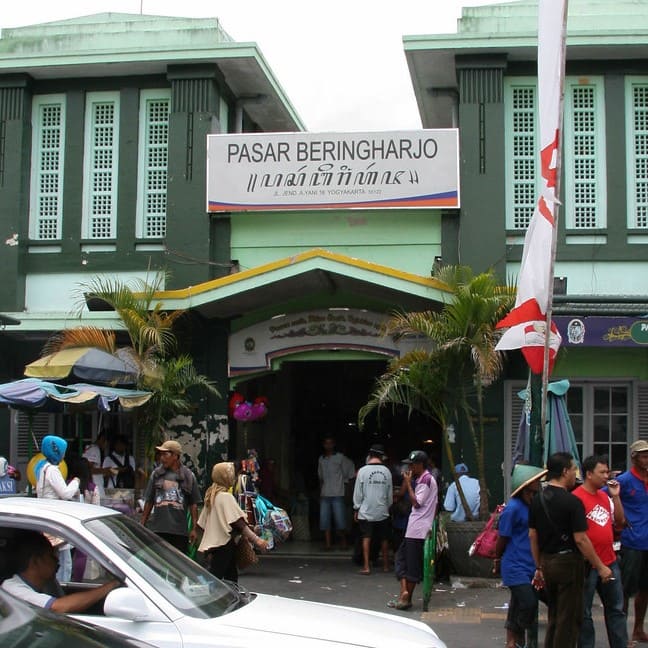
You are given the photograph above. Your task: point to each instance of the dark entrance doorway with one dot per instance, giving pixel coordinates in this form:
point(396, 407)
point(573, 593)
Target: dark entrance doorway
point(312, 399)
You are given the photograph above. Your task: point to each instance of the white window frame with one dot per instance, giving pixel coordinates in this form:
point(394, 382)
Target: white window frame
point(36, 170)
point(511, 84)
point(93, 98)
point(143, 148)
point(631, 158)
point(600, 178)
point(637, 420)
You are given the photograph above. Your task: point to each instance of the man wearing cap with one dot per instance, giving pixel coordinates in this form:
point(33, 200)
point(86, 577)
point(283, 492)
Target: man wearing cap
point(470, 487)
point(409, 557)
point(172, 490)
point(373, 494)
point(603, 511)
point(513, 552)
point(634, 537)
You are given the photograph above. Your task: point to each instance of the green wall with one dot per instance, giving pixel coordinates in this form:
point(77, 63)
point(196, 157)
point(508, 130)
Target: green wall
point(404, 239)
point(595, 362)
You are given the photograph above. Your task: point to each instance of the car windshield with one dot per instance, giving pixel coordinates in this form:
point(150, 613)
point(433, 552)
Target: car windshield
point(185, 584)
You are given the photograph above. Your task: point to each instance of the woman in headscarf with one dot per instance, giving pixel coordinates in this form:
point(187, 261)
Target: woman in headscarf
point(220, 520)
point(51, 485)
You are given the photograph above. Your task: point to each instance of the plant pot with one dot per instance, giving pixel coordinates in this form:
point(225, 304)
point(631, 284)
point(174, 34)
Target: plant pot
point(460, 536)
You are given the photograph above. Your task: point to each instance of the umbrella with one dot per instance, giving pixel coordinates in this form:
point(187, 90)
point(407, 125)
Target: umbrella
point(559, 434)
point(31, 394)
point(86, 363)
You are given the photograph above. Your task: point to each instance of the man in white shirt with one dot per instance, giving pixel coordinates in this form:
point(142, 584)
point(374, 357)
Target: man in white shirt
point(334, 471)
point(372, 496)
point(121, 465)
point(37, 561)
point(470, 488)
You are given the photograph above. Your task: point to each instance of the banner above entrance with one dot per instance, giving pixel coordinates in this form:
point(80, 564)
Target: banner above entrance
point(264, 171)
point(254, 348)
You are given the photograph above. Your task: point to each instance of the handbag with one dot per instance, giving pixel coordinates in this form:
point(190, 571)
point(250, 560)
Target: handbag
point(485, 542)
point(245, 554)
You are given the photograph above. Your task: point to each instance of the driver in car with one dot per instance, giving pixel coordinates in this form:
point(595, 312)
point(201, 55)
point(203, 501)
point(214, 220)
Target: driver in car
point(35, 581)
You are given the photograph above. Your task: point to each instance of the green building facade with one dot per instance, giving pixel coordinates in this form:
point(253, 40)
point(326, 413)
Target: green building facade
point(483, 79)
point(104, 122)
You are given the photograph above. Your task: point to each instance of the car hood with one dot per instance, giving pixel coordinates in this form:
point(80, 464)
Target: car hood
point(331, 623)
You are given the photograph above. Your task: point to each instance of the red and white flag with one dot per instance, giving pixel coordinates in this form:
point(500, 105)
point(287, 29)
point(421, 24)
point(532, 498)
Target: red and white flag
point(526, 322)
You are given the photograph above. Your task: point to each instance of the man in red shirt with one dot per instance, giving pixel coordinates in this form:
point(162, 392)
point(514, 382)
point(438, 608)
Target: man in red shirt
point(603, 511)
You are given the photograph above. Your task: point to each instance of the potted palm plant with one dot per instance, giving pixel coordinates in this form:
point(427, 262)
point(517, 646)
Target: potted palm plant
point(447, 378)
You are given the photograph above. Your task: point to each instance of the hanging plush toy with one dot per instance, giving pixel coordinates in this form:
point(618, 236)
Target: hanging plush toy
point(243, 411)
point(235, 399)
point(259, 408)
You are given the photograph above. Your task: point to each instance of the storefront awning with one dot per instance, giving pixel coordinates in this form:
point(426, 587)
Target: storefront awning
point(313, 272)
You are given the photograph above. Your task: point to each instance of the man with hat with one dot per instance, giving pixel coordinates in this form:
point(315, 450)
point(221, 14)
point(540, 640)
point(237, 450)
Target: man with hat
point(634, 537)
point(409, 557)
point(373, 494)
point(514, 553)
point(470, 487)
point(172, 490)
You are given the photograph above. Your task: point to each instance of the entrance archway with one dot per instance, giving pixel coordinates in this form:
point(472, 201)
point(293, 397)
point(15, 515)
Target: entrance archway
point(310, 399)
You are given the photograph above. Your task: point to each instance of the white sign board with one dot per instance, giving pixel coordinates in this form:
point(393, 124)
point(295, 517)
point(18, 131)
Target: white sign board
point(254, 348)
point(263, 171)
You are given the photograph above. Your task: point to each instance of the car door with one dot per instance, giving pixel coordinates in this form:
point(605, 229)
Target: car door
point(90, 568)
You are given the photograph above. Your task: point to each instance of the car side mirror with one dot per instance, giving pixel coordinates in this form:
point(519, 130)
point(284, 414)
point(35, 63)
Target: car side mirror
point(125, 603)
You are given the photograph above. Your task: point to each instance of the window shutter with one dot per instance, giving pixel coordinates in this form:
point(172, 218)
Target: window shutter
point(585, 156)
point(48, 121)
point(642, 411)
point(523, 155)
point(102, 142)
point(154, 127)
point(42, 425)
point(638, 155)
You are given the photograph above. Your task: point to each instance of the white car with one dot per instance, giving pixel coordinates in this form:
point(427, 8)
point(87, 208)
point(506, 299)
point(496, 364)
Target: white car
point(170, 601)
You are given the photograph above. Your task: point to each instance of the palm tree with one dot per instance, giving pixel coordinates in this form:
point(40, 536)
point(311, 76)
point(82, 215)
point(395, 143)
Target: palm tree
point(463, 338)
point(152, 349)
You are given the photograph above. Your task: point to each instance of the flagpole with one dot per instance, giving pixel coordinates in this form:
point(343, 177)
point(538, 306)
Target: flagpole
point(554, 234)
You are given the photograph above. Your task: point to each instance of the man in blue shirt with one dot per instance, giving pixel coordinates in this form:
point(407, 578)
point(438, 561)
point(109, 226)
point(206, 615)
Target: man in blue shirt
point(470, 488)
point(514, 553)
point(634, 537)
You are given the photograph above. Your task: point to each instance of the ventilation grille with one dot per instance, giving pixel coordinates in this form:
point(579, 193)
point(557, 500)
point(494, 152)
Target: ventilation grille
point(155, 167)
point(103, 167)
point(584, 153)
point(524, 155)
point(48, 178)
point(642, 411)
point(639, 145)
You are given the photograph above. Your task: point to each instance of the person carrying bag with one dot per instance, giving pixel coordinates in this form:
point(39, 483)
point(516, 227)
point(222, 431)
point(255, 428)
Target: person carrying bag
point(224, 527)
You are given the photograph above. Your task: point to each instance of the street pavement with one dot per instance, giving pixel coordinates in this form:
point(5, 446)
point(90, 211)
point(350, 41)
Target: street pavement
point(469, 613)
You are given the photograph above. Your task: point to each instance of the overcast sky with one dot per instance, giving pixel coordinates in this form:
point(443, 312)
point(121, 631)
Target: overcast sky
point(340, 62)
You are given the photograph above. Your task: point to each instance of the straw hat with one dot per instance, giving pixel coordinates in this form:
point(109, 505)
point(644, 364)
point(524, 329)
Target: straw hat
point(523, 475)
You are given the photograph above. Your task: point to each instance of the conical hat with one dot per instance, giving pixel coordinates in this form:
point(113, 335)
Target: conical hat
point(523, 475)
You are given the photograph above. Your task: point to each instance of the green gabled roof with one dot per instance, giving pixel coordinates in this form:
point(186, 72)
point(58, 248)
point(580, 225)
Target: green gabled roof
point(596, 29)
point(118, 44)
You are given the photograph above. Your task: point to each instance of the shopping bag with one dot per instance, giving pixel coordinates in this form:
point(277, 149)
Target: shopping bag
point(485, 542)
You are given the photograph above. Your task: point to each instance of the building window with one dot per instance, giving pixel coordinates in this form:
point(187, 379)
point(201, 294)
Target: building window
point(637, 151)
point(522, 157)
point(584, 150)
point(48, 148)
point(100, 167)
point(584, 153)
point(153, 163)
point(606, 418)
